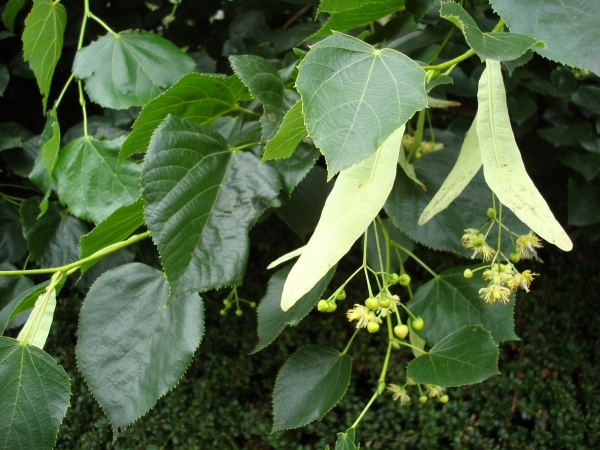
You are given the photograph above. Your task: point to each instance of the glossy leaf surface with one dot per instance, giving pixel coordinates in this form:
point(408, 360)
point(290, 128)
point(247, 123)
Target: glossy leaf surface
point(271, 319)
point(130, 68)
point(196, 97)
point(310, 383)
point(92, 182)
point(467, 356)
point(354, 97)
point(35, 396)
point(200, 199)
point(357, 197)
point(451, 301)
point(136, 351)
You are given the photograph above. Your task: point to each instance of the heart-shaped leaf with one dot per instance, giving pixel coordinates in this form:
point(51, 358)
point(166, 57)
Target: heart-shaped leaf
point(310, 383)
point(134, 352)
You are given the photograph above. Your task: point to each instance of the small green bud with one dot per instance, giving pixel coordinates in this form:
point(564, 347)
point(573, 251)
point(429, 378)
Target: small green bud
point(372, 303)
point(468, 273)
point(423, 399)
point(372, 327)
point(380, 387)
point(444, 398)
point(341, 295)
point(491, 213)
point(404, 279)
point(393, 278)
point(385, 301)
point(227, 303)
point(395, 344)
point(514, 257)
point(238, 312)
point(418, 323)
point(323, 305)
point(222, 312)
point(252, 304)
point(331, 306)
point(478, 242)
point(401, 331)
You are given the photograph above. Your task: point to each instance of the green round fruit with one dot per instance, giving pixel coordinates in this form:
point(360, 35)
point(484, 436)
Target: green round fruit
point(372, 327)
point(372, 303)
point(514, 257)
point(393, 278)
point(238, 312)
point(491, 213)
point(444, 398)
point(385, 302)
point(418, 323)
point(341, 295)
point(323, 305)
point(331, 306)
point(401, 331)
point(423, 399)
point(468, 273)
point(404, 279)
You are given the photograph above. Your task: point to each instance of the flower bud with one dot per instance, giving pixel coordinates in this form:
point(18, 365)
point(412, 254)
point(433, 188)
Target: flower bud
point(444, 398)
point(227, 303)
point(491, 213)
point(385, 301)
point(341, 295)
point(372, 327)
point(323, 305)
point(418, 323)
point(331, 306)
point(515, 257)
point(222, 312)
point(468, 273)
point(372, 303)
point(410, 382)
point(404, 279)
point(380, 387)
point(238, 312)
point(401, 331)
point(392, 278)
point(252, 304)
point(423, 399)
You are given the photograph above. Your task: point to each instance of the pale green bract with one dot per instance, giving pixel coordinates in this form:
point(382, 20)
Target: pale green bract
point(291, 255)
point(503, 167)
point(36, 329)
point(359, 194)
point(466, 167)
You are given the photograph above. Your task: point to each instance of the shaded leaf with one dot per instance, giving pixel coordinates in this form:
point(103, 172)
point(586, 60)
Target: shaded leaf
point(584, 202)
point(92, 182)
point(354, 97)
point(200, 199)
point(503, 167)
point(12, 242)
point(265, 84)
point(53, 240)
point(588, 97)
point(134, 352)
point(495, 45)
point(587, 164)
point(4, 79)
point(41, 175)
point(289, 135)
point(355, 14)
point(43, 41)
point(450, 301)
point(22, 301)
point(130, 68)
point(11, 10)
point(363, 187)
point(569, 29)
point(33, 386)
point(467, 356)
point(196, 97)
point(296, 167)
point(13, 135)
point(115, 228)
point(272, 319)
point(302, 212)
point(310, 383)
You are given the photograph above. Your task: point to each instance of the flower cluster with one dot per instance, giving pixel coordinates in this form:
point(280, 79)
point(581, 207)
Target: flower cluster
point(398, 392)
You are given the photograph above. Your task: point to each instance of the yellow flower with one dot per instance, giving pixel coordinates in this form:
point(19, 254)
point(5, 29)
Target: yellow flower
point(476, 240)
point(399, 393)
point(434, 391)
point(471, 234)
point(495, 292)
point(362, 313)
point(522, 280)
point(526, 245)
point(498, 273)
